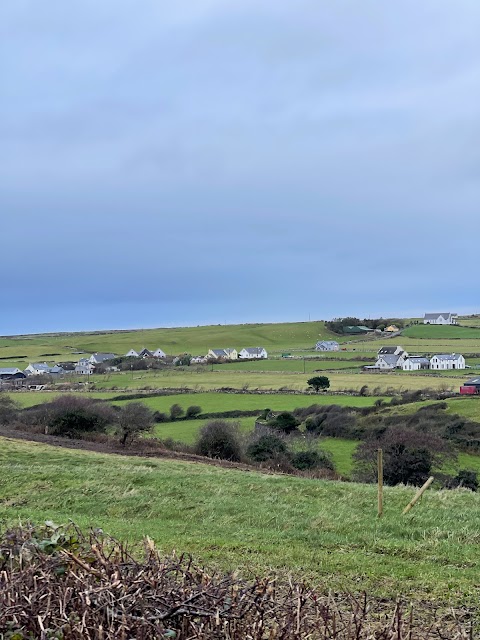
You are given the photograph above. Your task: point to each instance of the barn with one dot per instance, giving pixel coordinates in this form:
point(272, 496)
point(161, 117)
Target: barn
point(470, 387)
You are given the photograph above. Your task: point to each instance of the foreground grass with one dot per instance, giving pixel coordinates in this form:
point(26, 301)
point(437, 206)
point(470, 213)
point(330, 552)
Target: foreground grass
point(322, 531)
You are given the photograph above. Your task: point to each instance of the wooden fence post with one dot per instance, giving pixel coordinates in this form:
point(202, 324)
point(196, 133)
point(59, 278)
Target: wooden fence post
point(418, 495)
point(380, 481)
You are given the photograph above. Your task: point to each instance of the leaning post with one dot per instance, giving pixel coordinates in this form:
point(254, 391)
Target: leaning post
point(418, 495)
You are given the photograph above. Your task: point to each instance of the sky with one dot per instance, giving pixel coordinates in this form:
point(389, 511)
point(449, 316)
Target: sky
point(170, 163)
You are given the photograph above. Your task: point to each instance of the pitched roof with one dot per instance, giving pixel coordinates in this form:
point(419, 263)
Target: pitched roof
point(40, 366)
point(254, 350)
point(6, 371)
point(447, 356)
point(420, 359)
point(327, 342)
point(102, 357)
point(435, 316)
point(389, 359)
point(219, 352)
point(387, 350)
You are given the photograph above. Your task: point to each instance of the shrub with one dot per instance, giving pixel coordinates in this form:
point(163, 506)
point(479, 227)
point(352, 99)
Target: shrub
point(193, 411)
point(159, 416)
point(284, 422)
point(465, 479)
point(133, 418)
point(219, 439)
point(266, 447)
point(8, 409)
point(176, 412)
point(70, 416)
point(305, 460)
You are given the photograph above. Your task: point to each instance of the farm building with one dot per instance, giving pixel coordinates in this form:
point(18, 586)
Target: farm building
point(84, 367)
point(11, 374)
point(198, 360)
point(131, 354)
point(447, 361)
point(470, 387)
point(327, 345)
point(159, 354)
point(440, 318)
point(253, 352)
point(356, 330)
point(100, 358)
point(416, 363)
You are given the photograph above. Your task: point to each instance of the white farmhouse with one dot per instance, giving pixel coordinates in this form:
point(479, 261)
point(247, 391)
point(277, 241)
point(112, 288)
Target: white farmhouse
point(389, 362)
point(392, 351)
point(327, 345)
point(198, 360)
point(84, 367)
point(253, 352)
point(440, 318)
point(100, 358)
point(159, 354)
point(131, 354)
point(447, 361)
point(415, 363)
point(37, 369)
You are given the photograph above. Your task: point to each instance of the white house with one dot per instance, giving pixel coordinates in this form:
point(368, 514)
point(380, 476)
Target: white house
point(84, 367)
point(440, 318)
point(415, 363)
point(37, 369)
point(100, 358)
point(198, 360)
point(447, 361)
point(232, 354)
point(228, 354)
point(159, 354)
point(389, 362)
point(253, 352)
point(131, 354)
point(327, 345)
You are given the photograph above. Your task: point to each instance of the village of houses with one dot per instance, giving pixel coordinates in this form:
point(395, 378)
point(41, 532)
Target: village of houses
point(389, 358)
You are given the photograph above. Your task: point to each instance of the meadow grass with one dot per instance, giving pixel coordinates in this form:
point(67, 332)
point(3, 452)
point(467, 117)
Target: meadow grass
point(324, 532)
point(435, 332)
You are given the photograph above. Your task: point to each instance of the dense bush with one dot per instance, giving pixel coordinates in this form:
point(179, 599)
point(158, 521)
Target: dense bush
point(133, 418)
point(332, 421)
point(193, 411)
point(70, 416)
point(176, 412)
point(159, 416)
point(465, 479)
point(219, 439)
point(313, 459)
point(284, 422)
point(8, 409)
point(266, 447)
point(408, 456)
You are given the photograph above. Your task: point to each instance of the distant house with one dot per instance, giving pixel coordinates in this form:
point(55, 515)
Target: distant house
point(232, 354)
point(392, 351)
point(327, 345)
point(440, 318)
point(198, 360)
point(100, 358)
point(145, 353)
point(159, 354)
point(84, 367)
point(389, 362)
point(216, 354)
point(11, 373)
point(416, 363)
point(445, 361)
point(253, 352)
point(37, 369)
point(131, 354)
point(392, 329)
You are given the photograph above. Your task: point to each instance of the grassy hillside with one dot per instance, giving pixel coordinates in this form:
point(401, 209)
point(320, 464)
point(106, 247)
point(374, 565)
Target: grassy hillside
point(196, 340)
point(324, 531)
point(435, 332)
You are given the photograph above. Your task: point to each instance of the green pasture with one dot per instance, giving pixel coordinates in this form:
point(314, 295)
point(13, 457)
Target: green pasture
point(307, 365)
point(435, 332)
point(322, 532)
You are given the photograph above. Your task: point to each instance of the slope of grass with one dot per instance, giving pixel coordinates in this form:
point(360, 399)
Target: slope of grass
point(323, 531)
point(435, 332)
point(276, 336)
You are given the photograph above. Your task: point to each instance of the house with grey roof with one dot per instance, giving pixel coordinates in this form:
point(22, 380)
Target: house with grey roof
point(444, 361)
point(416, 363)
point(11, 373)
point(390, 361)
point(84, 367)
point(254, 353)
point(100, 358)
point(327, 345)
point(37, 369)
point(392, 351)
point(440, 318)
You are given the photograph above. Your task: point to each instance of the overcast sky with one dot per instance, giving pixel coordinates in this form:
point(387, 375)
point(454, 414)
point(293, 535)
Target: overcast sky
point(174, 162)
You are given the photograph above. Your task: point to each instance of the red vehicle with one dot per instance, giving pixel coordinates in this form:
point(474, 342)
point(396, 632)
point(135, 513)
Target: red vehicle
point(470, 391)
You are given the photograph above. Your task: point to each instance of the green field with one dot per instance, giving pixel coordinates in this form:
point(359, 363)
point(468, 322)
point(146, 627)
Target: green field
point(435, 332)
point(325, 532)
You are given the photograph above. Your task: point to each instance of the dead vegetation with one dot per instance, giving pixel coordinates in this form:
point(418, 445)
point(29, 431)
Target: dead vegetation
point(56, 582)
